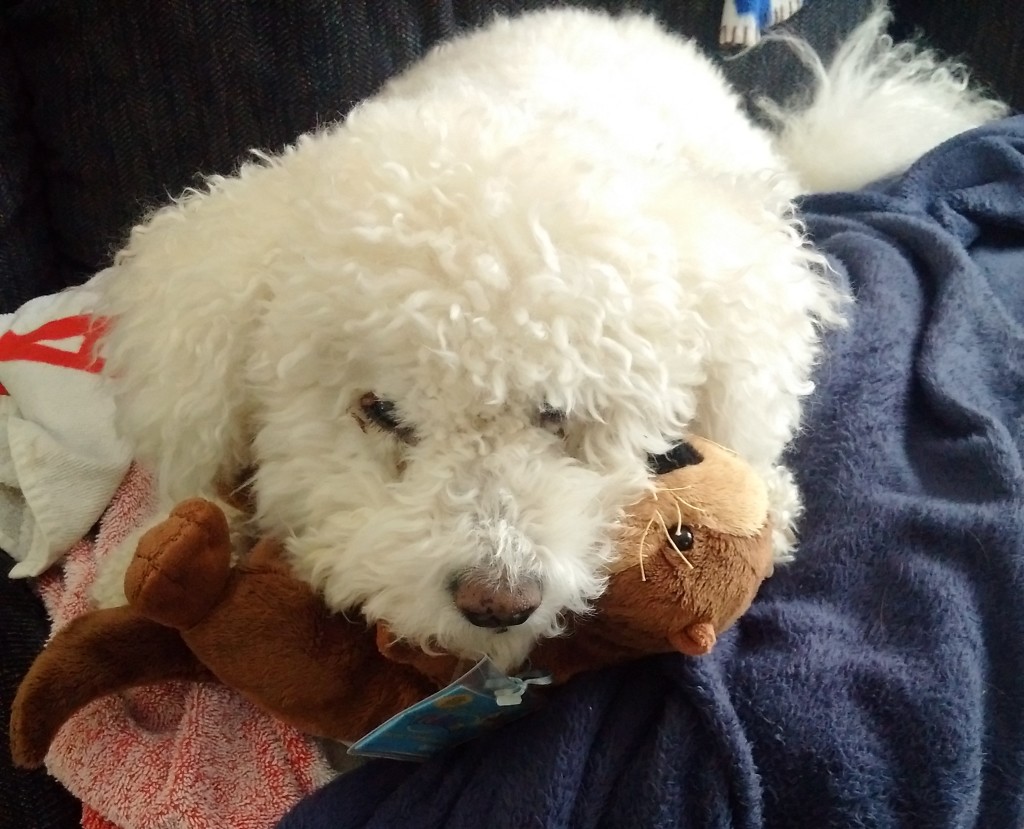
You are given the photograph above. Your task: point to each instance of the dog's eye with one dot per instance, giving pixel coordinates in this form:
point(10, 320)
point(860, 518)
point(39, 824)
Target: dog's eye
point(379, 412)
point(552, 419)
point(383, 414)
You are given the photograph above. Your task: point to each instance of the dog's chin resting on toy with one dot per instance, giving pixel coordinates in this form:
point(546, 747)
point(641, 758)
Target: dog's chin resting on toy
point(449, 331)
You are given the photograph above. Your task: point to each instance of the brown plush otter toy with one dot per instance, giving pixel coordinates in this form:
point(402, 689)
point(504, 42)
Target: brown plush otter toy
point(693, 555)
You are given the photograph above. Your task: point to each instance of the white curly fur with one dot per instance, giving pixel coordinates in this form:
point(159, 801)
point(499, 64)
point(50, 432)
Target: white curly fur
point(564, 210)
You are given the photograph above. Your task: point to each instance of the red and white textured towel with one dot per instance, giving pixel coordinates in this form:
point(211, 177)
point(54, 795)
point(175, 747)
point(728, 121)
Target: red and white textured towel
point(177, 755)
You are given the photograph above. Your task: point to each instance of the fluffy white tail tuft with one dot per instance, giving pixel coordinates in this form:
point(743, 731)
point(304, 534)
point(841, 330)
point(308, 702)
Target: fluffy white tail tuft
point(877, 108)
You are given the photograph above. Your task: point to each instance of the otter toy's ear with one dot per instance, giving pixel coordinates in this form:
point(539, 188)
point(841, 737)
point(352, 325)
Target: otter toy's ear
point(697, 639)
point(680, 455)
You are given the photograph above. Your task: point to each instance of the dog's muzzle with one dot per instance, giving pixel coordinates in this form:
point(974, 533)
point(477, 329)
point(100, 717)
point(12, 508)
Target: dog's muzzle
point(500, 605)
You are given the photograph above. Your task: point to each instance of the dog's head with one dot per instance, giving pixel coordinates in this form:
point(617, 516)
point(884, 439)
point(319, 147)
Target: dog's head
point(450, 416)
point(456, 469)
point(448, 373)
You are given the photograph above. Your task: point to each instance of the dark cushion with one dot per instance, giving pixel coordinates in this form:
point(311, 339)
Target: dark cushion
point(116, 105)
point(26, 247)
point(28, 799)
point(988, 36)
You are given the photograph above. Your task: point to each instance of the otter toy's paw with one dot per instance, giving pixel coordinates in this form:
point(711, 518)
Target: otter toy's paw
point(440, 668)
point(181, 566)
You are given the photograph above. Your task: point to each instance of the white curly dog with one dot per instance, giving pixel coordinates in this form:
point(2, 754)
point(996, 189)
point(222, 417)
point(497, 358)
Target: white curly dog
point(444, 336)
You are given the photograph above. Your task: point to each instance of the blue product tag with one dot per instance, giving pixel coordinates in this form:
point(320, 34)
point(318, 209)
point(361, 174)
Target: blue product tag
point(481, 699)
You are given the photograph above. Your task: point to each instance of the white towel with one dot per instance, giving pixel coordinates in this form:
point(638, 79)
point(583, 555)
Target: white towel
point(61, 459)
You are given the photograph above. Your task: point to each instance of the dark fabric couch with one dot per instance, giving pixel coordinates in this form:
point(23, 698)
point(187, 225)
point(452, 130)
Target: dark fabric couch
point(108, 106)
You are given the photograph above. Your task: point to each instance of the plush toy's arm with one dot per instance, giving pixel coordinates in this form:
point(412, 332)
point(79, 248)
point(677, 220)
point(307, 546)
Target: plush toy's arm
point(439, 668)
point(181, 566)
point(194, 617)
point(273, 640)
point(589, 648)
point(100, 653)
point(264, 633)
point(577, 652)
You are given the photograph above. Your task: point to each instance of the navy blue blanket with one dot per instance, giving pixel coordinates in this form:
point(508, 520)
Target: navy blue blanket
point(879, 681)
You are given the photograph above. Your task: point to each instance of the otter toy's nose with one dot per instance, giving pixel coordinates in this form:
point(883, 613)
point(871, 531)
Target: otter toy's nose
point(488, 605)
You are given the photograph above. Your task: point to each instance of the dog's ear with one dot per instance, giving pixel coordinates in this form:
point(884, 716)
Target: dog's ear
point(184, 302)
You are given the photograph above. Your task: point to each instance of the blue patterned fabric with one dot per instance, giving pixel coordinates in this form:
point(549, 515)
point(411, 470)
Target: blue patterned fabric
point(877, 681)
point(760, 9)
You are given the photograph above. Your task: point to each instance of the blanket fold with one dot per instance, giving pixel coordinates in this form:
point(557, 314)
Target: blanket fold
point(876, 681)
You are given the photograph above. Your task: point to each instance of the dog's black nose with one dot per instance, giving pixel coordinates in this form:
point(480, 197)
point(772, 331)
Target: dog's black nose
point(489, 606)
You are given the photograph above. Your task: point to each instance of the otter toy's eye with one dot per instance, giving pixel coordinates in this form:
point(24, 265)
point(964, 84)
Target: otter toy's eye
point(384, 415)
point(682, 538)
